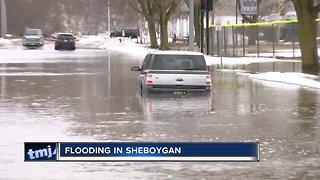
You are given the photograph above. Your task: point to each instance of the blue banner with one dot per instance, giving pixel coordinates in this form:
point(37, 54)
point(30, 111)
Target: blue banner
point(131, 151)
point(40, 151)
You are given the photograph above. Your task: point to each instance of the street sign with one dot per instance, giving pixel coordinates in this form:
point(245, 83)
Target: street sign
point(217, 23)
point(248, 7)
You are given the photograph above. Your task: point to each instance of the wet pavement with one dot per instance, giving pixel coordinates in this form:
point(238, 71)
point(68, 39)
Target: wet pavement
point(90, 95)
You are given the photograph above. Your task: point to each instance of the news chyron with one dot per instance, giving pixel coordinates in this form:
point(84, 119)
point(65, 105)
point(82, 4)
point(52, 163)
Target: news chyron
point(144, 151)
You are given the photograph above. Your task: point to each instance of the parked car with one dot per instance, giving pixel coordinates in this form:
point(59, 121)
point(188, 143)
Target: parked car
point(173, 71)
point(32, 38)
point(127, 32)
point(65, 41)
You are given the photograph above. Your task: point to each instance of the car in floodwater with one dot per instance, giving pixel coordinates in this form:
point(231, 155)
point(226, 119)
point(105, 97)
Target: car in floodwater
point(65, 41)
point(32, 38)
point(174, 72)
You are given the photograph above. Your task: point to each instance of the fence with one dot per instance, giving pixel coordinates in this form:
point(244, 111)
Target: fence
point(264, 39)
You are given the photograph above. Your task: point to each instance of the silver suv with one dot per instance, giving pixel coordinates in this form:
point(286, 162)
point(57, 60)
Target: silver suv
point(173, 71)
point(32, 37)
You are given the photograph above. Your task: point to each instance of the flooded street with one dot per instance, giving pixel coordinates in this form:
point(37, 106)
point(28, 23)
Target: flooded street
point(90, 95)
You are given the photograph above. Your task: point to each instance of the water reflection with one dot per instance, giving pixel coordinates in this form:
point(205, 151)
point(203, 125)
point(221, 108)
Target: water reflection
point(175, 104)
point(307, 114)
point(283, 66)
point(3, 83)
point(307, 104)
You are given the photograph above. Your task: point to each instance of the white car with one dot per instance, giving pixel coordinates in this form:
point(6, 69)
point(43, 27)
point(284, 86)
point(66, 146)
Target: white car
point(173, 71)
point(32, 38)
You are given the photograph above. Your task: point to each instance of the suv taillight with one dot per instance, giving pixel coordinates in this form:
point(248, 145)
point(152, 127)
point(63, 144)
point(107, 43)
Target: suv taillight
point(208, 79)
point(149, 80)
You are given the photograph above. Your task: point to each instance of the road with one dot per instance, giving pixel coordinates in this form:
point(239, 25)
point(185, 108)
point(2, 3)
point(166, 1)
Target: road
point(90, 95)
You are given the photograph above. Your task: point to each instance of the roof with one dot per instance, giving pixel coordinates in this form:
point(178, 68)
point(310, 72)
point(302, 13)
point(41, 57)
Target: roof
point(176, 53)
point(65, 34)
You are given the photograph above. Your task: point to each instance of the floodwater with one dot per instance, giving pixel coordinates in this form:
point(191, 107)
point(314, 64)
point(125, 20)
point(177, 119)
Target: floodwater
point(90, 95)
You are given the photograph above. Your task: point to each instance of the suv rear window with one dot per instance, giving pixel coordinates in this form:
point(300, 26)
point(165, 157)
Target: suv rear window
point(179, 62)
point(33, 32)
point(65, 36)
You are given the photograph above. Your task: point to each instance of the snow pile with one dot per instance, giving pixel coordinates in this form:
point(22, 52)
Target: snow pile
point(300, 79)
point(130, 46)
point(238, 60)
point(4, 42)
point(126, 45)
point(120, 44)
point(232, 70)
point(91, 41)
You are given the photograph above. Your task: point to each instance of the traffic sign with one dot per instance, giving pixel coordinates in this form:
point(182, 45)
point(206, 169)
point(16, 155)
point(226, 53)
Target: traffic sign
point(248, 7)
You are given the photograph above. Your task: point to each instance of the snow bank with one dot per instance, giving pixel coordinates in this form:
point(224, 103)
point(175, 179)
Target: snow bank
point(4, 42)
point(129, 46)
point(238, 60)
point(124, 45)
point(300, 79)
point(91, 41)
point(285, 53)
point(232, 70)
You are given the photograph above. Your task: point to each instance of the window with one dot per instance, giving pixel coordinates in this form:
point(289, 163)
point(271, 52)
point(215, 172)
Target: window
point(66, 36)
point(146, 62)
point(179, 62)
point(33, 32)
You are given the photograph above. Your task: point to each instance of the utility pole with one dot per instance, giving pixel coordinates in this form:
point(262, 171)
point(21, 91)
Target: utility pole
point(206, 7)
point(191, 22)
point(236, 11)
point(88, 17)
point(3, 18)
point(279, 14)
point(207, 25)
point(109, 27)
point(202, 10)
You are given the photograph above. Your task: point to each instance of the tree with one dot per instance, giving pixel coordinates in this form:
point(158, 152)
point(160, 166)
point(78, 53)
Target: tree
point(307, 12)
point(166, 9)
point(23, 14)
point(70, 15)
point(149, 11)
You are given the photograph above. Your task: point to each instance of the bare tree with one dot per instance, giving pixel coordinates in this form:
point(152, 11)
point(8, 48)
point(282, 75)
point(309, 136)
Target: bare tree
point(307, 12)
point(148, 10)
point(166, 9)
point(62, 15)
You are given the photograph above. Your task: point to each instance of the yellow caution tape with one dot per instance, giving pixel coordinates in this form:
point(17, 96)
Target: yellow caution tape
point(260, 23)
